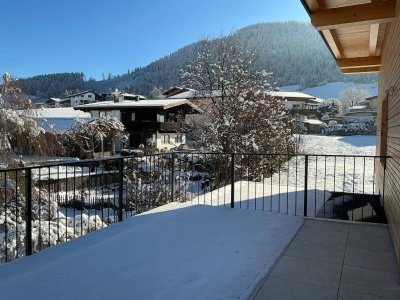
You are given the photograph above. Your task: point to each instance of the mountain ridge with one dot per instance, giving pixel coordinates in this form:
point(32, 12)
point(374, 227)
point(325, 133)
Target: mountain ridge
point(293, 51)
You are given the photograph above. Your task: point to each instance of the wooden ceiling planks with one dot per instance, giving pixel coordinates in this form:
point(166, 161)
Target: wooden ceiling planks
point(353, 29)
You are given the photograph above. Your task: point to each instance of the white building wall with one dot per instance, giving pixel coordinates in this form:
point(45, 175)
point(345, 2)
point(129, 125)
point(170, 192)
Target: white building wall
point(83, 99)
point(173, 142)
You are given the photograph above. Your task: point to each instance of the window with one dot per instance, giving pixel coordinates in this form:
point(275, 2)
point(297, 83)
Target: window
point(82, 95)
point(103, 114)
point(133, 117)
point(161, 118)
point(165, 139)
point(296, 106)
point(89, 96)
point(179, 138)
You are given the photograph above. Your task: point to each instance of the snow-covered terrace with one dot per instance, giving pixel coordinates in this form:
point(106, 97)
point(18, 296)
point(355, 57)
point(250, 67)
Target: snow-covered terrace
point(211, 251)
point(178, 251)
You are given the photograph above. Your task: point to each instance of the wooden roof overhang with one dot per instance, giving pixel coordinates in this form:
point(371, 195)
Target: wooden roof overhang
point(353, 30)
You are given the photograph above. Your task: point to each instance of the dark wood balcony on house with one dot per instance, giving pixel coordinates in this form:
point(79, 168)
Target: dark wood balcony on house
point(156, 126)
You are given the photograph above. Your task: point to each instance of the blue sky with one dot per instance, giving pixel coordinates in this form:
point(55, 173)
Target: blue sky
point(112, 36)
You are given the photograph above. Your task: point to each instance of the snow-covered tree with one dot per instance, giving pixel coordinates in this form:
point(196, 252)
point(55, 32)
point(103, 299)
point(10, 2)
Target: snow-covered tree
point(239, 116)
point(19, 132)
point(156, 93)
point(351, 97)
point(94, 134)
point(328, 108)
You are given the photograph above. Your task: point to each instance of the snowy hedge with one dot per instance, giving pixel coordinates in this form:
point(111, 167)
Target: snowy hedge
point(355, 128)
point(49, 225)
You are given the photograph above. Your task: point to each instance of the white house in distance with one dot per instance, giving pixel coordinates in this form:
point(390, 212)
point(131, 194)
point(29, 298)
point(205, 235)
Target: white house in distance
point(363, 111)
point(81, 98)
point(158, 121)
point(297, 102)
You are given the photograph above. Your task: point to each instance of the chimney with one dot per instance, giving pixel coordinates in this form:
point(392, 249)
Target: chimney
point(115, 96)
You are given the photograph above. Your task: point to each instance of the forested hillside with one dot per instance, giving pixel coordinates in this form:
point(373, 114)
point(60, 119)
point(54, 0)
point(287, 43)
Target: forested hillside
point(293, 51)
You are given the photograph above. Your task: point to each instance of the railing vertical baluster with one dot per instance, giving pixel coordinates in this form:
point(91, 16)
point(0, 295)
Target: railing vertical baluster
point(121, 189)
point(28, 212)
point(305, 184)
point(232, 180)
point(172, 176)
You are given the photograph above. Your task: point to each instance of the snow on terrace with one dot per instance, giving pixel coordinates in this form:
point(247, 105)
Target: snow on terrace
point(177, 251)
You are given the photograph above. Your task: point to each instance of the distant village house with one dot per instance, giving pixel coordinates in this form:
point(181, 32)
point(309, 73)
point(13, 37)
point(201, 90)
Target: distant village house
point(157, 121)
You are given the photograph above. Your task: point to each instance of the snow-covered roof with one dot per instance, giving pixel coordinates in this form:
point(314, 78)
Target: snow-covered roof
point(80, 93)
point(141, 97)
point(288, 95)
point(313, 122)
point(194, 94)
point(162, 104)
point(357, 107)
point(174, 90)
point(57, 113)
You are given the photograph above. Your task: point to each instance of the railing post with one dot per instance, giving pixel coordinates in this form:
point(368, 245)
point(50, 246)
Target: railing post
point(172, 176)
point(121, 189)
point(232, 180)
point(28, 212)
point(305, 184)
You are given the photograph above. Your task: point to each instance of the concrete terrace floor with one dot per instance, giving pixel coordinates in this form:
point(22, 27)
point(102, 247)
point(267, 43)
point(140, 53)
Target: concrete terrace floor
point(334, 260)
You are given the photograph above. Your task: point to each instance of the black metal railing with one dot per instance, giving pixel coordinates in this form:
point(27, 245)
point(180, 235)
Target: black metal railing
point(41, 206)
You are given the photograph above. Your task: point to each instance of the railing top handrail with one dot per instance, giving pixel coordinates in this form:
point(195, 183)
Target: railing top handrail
point(281, 154)
point(107, 159)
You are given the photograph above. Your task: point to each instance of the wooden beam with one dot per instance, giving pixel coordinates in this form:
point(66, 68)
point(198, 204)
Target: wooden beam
point(313, 5)
point(357, 62)
point(361, 14)
point(360, 70)
point(333, 42)
point(373, 38)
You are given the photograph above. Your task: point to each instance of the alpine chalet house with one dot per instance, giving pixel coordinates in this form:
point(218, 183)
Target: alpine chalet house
point(363, 111)
point(81, 98)
point(158, 121)
point(52, 102)
point(364, 36)
point(121, 96)
point(297, 102)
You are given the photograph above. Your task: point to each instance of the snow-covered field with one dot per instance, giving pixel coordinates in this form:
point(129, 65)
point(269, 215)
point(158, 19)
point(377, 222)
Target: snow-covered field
point(338, 145)
point(284, 192)
point(340, 174)
point(178, 251)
